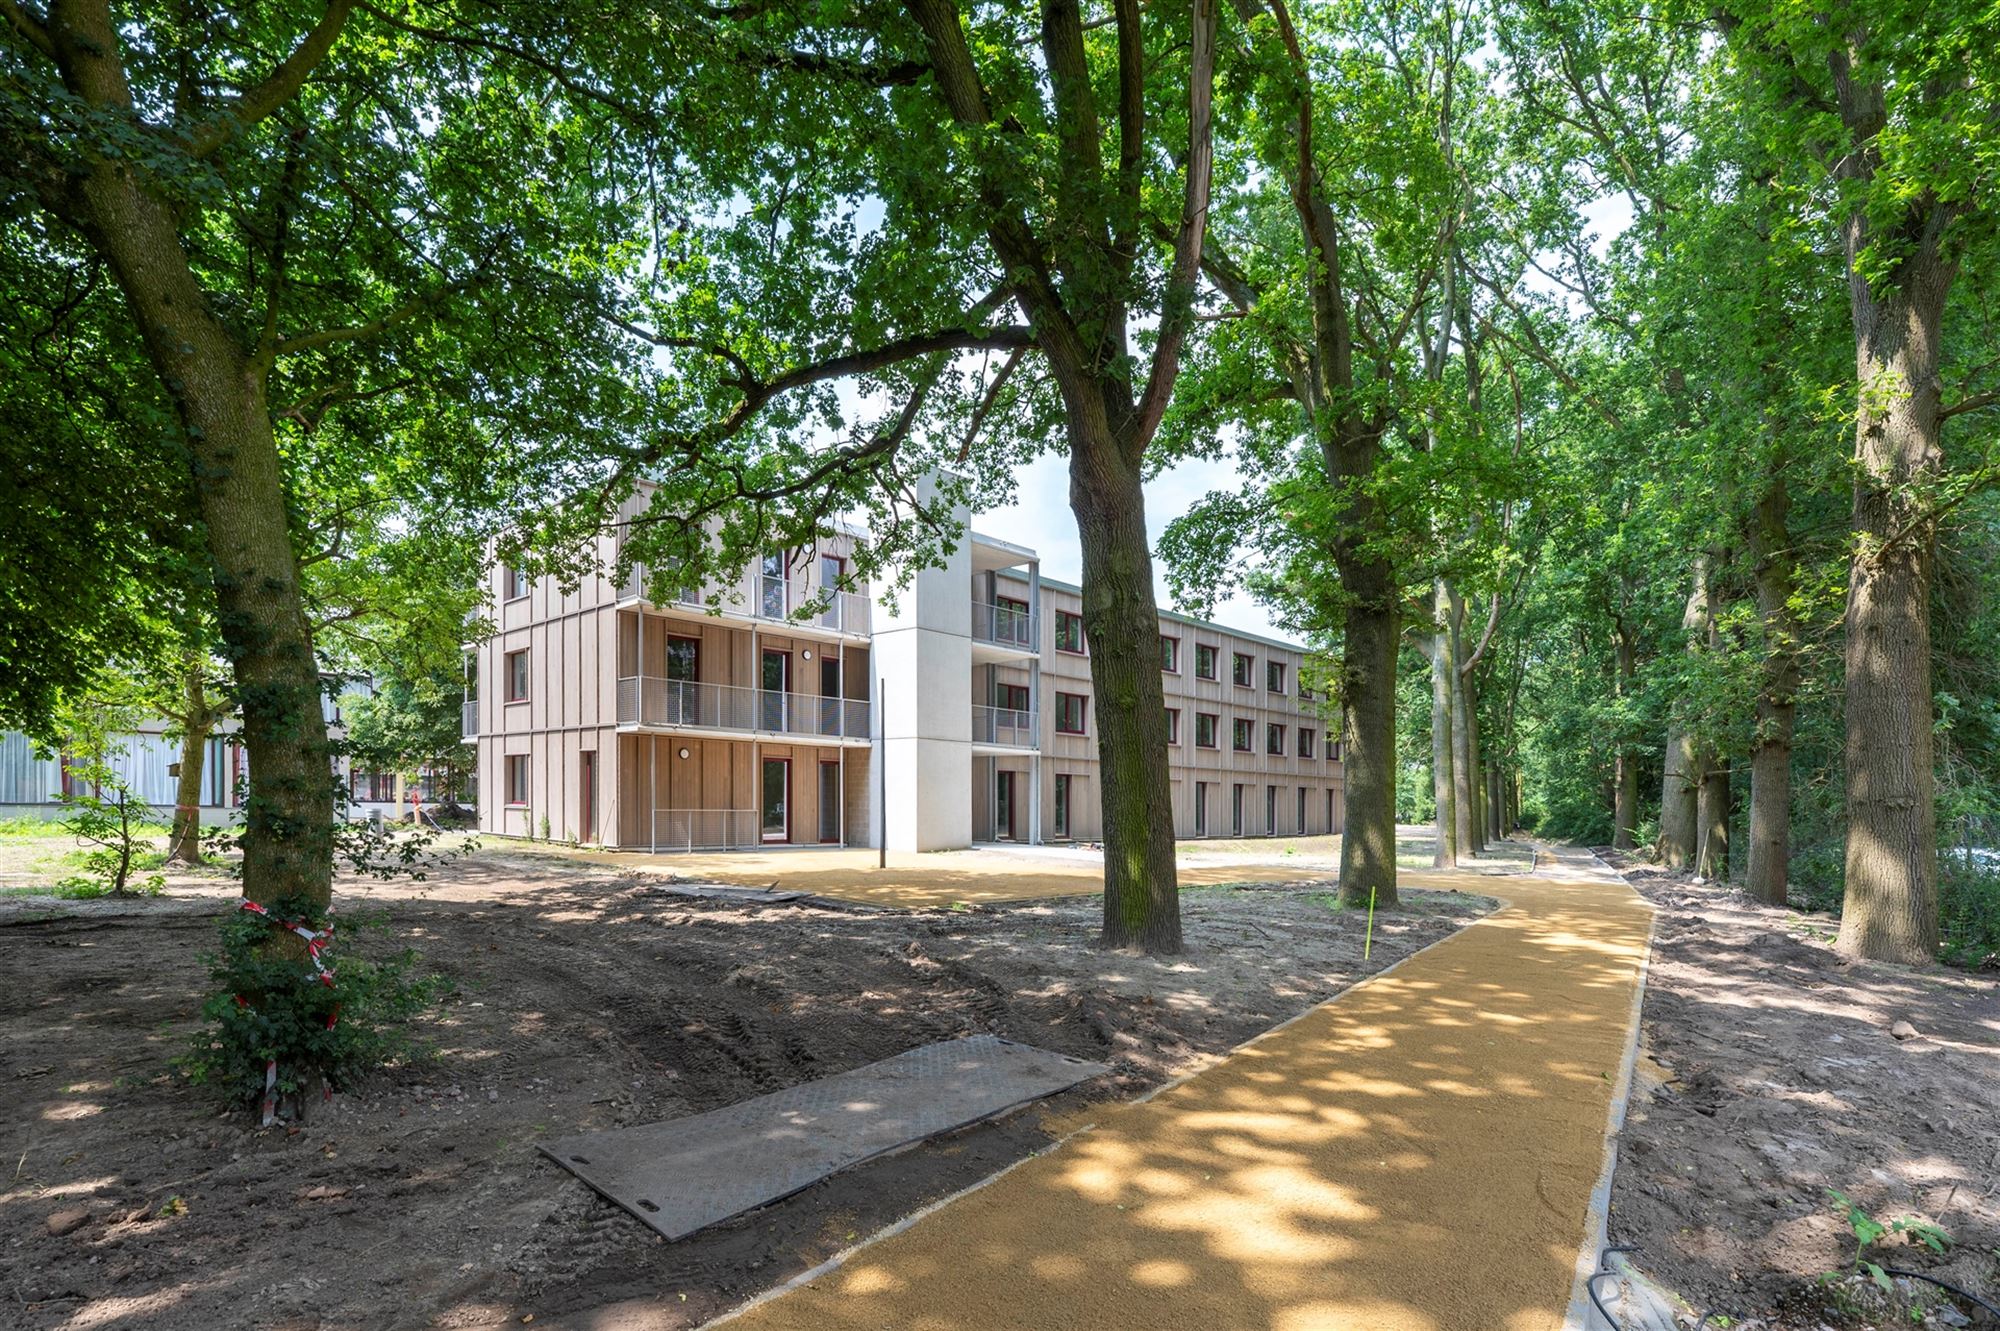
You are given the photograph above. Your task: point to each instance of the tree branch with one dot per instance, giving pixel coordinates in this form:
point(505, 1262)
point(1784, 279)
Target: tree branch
point(1978, 402)
point(33, 30)
point(280, 87)
point(402, 314)
point(1177, 302)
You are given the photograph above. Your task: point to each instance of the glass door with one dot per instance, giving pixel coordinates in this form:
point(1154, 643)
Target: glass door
point(829, 802)
point(776, 682)
point(683, 669)
point(777, 799)
point(1003, 806)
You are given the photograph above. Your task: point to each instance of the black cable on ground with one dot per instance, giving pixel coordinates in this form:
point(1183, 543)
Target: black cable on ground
point(1949, 1288)
point(1604, 1269)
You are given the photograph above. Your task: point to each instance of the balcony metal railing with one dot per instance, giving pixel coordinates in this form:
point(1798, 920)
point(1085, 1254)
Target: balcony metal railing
point(757, 596)
point(468, 719)
point(849, 612)
point(1003, 725)
point(1005, 625)
point(705, 829)
point(650, 701)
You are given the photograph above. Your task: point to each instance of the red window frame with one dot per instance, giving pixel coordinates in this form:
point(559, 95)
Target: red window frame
point(1063, 700)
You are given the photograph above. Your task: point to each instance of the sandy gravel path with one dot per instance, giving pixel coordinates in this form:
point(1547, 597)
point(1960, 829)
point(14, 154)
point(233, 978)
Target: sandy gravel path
point(1417, 1154)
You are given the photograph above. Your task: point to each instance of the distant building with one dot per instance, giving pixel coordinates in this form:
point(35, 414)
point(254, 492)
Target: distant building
point(31, 786)
point(716, 719)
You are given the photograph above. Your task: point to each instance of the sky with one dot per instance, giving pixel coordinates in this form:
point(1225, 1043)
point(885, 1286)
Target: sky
point(1040, 519)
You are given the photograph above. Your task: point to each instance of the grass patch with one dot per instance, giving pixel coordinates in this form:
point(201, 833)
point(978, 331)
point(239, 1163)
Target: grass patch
point(69, 889)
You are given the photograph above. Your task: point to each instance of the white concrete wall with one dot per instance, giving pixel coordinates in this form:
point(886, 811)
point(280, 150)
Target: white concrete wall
point(922, 655)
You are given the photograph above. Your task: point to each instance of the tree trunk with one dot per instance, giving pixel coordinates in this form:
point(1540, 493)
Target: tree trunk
point(1682, 776)
point(1464, 754)
point(1121, 624)
point(1444, 668)
point(1712, 823)
point(1677, 800)
point(196, 719)
point(1771, 746)
point(1890, 909)
point(1368, 696)
point(1625, 763)
point(184, 840)
point(1466, 719)
point(219, 394)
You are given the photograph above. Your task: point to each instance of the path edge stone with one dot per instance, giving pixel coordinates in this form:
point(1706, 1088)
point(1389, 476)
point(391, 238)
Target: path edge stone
point(1582, 1316)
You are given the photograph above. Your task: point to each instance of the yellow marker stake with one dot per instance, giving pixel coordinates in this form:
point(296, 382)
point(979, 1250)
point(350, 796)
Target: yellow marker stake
point(1369, 941)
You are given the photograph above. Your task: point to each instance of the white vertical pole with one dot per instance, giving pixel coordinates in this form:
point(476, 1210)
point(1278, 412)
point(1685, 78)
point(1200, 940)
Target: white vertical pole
point(880, 760)
point(1035, 799)
point(1035, 702)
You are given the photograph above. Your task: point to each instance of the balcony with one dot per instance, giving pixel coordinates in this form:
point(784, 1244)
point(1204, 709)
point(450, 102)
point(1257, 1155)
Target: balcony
point(759, 596)
point(1005, 626)
point(468, 719)
point(645, 700)
point(849, 612)
point(1005, 726)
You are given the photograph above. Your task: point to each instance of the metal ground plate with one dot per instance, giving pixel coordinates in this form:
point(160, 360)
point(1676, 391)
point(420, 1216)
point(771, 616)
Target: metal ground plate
point(688, 1173)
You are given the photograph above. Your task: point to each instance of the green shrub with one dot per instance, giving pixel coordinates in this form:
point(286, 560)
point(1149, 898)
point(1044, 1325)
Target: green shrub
point(271, 1004)
point(1968, 911)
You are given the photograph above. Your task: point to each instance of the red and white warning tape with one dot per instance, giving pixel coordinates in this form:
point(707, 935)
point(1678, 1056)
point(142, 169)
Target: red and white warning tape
point(317, 941)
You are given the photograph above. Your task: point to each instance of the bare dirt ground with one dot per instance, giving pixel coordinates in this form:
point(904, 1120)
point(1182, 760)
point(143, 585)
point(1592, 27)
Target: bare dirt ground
point(1775, 1077)
point(584, 1001)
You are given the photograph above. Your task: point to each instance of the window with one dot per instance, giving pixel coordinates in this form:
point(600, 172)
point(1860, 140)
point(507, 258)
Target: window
point(1069, 632)
point(1239, 736)
point(1173, 725)
point(1301, 829)
point(832, 568)
point(1333, 752)
point(1204, 729)
point(517, 778)
point(1274, 740)
point(774, 596)
point(1062, 803)
point(1204, 661)
point(1270, 810)
point(1012, 623)
point(1170, 654)
point(1331, 826)
point(1243, 668)
point(683, 658)
point(517, 676)
point(1011, 697)
point(515, 583)
point(1274, 676)
point(1069, 713)
point(1305, 742)
point(1305, 691)
point(1201, 808)
point(1236, 810)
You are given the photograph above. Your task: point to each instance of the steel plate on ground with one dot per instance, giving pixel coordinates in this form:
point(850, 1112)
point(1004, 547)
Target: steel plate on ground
point(687, 1173)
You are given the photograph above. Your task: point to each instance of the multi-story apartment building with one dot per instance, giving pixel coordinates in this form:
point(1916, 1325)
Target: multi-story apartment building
point(782, 710)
